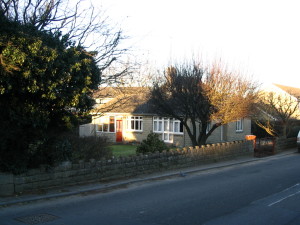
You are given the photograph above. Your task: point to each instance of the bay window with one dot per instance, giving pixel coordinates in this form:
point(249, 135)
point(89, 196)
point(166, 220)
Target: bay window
point(167, 127)
point(157, 124)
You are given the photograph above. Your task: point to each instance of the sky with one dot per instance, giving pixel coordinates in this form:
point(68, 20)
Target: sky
point(260, 38)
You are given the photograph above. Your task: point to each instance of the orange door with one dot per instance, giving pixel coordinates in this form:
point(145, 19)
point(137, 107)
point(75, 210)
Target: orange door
point(119, 137)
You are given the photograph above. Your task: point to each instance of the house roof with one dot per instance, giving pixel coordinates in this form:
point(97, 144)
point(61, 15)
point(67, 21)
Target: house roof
point(133, 100)
point(290, 90)
point(112, 92)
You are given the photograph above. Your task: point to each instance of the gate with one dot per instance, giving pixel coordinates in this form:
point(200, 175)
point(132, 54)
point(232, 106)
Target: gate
point(264, 147)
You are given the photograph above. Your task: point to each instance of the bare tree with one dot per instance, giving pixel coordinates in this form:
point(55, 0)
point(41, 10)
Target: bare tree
point(78, 22)
point(232, 94)
point(181, 96)
point(274, 108)
point(196, 95)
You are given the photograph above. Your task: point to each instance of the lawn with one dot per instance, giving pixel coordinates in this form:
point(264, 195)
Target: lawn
point(123, 150)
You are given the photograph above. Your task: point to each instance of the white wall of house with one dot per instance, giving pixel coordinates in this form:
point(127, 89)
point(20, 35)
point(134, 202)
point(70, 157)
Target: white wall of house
point(86, 130)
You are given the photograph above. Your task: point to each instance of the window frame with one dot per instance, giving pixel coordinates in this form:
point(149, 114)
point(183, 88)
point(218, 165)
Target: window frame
point(166, 126)
point(159, 124)
point(180, 127)
point(107, 124)
point(239, 125)
point(136, 121)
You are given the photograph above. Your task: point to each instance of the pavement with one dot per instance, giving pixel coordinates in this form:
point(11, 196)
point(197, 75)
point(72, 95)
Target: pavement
point(108, 186)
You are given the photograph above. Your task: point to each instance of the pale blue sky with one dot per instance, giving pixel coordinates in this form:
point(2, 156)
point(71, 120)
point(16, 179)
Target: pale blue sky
point(260, 37)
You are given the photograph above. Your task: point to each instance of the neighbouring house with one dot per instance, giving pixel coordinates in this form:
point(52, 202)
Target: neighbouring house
point(293, 91)
point(126, 115)
point(282, 97)
point(290, 95)
point(279, 109)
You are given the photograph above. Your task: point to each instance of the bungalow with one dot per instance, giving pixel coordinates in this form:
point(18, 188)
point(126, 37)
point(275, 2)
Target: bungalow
point(125, 115)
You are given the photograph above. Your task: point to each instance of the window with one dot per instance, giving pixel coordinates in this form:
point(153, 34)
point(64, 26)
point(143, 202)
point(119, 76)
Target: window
point(135, 123)
point(157, 124)
point(168, 127)
point(111, 124)
point(178, 126)
point(161, 124)
point(106, 124)
point(167, 124)
point(239, 126)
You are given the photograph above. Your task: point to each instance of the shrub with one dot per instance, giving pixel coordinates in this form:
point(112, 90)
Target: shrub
point(54, 149)
point(152, 144)
point(71, 147)
point(86, 148)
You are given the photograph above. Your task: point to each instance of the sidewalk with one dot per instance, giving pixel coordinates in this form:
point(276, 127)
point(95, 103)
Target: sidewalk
point(106, 186)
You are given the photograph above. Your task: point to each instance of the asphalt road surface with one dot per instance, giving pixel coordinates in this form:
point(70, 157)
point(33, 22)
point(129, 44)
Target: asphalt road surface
point(261, 192)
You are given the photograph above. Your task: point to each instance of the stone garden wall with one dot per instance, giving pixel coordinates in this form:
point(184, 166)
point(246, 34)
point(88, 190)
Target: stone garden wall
point(285, 143)
point(119, 168)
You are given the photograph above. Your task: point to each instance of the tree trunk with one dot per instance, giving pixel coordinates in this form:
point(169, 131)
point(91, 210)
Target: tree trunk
point(284, 128)
point(202, 137)
point(192, 135)
point(215, 126)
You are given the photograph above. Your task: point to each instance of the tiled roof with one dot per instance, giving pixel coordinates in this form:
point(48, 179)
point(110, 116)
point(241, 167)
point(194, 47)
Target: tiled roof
point(112, 92)
point(291, 90)
point(133, 100)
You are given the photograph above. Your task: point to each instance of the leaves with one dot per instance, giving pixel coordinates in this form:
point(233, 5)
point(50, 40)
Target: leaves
point(44, 85)
point(152, 144)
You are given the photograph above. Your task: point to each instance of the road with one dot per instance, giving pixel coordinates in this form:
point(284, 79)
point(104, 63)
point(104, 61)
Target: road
point(260, 192)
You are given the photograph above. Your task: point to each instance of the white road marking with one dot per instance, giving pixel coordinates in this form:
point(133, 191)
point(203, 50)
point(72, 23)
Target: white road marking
point(288, 196)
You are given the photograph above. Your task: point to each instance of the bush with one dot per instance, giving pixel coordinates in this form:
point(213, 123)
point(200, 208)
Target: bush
point(86, 148)
point(71, 147)
point(152, 144)
point(17, 147)
point(54, 149)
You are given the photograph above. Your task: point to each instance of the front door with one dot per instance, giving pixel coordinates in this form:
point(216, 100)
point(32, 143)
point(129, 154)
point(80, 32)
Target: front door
point(119, 137)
